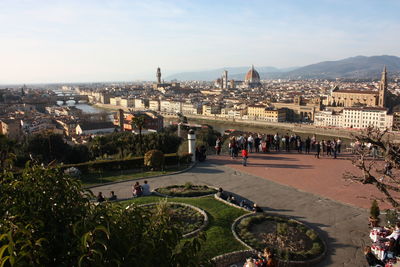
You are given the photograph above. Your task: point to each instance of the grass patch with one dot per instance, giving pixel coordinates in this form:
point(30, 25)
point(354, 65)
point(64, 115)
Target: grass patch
point(92, 179)
point(221, 216)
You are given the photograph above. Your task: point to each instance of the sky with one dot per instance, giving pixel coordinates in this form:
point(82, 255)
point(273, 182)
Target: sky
point(120, 40)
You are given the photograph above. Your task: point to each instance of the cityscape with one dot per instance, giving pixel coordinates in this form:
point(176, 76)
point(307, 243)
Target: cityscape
point(181, 133)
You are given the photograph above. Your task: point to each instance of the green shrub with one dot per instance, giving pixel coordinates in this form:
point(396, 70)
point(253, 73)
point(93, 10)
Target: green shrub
point(311, 234)
point(374, 210)
point(154, 159)
point(282, 228)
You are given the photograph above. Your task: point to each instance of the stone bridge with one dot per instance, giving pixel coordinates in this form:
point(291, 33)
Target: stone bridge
point(76, 98)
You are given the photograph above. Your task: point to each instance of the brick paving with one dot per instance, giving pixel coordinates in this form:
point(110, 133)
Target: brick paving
point(323, 176)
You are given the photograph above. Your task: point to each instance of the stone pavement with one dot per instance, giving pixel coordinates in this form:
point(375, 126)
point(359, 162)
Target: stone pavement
point(344, 227)
point(322, 176)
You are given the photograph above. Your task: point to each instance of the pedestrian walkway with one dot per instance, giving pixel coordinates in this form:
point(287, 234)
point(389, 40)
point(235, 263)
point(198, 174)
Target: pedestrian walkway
point(322, 176)
point(344, 227)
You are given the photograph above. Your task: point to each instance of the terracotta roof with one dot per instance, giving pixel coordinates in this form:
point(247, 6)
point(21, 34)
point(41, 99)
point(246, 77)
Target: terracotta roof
point(357, 92)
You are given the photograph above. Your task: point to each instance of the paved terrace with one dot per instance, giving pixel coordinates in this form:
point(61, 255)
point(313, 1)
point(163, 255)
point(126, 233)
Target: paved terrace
point(308, 189)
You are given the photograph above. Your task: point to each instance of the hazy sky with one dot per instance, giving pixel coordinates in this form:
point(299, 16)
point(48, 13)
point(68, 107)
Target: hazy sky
point(79, 40)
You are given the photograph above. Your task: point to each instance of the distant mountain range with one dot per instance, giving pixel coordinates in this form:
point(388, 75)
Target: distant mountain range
point(359, 67)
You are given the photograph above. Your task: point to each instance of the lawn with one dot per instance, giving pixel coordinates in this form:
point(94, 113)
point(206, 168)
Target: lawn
point(92, 179)
point(221, 216)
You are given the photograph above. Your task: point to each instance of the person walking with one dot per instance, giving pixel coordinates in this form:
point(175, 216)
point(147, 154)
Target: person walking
point(245, 155)
point(338, 145)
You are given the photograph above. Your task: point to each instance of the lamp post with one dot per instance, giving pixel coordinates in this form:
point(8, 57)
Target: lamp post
point(192, 144)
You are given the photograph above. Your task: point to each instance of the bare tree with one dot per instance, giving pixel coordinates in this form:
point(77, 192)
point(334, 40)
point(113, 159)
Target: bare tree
point(371, 172)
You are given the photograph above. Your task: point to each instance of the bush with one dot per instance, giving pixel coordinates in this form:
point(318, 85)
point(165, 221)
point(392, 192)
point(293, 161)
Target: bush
point(154, 159)
point(47, 219)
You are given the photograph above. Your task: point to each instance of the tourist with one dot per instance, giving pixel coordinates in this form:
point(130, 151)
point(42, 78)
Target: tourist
point(328, 148)
point(388, 169)
point(221, 193)
point(371, 258)
point(112, 196)
point(244, 204)
point(308, 145)
point(250, 143)
point(338, 145)
point(146, 189)
point(318, 147)
point(287, 142)
point(313, 142)
point(256, 208)
point(137, 190)
point(245, 155)
point(257, 143)
point(396, 233)
point(269, 258)
point(249, 263)
point(231, 199)
point(277, 141)
point(333, 148)
point(218, 145)
point(323, 146)
point(100, 197)
point(299, 145)
point(374, 152)
point(232, 144)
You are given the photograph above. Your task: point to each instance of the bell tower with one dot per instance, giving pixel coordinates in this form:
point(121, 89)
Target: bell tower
point(158, 75)
point(383, 89)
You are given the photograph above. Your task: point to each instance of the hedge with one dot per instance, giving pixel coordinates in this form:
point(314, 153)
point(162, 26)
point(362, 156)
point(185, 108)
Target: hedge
point(124, 164)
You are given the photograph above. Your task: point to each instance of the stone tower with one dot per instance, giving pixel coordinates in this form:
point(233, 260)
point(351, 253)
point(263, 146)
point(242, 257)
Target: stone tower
point(383, 89)
point(225, 79)
point(158, 75)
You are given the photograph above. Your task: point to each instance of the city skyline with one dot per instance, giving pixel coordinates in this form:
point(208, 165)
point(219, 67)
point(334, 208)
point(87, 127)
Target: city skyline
point(46, 41)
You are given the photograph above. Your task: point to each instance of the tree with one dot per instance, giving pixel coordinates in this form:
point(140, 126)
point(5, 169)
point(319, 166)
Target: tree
point(369, 173)
point(47, 219)
point(138, 122)
point(7, 150)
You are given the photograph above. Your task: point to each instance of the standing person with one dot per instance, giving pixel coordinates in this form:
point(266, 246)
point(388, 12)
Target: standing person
point(318, 147)
point(323, 146)
point(257, 143)
point(232, 144)
point(333, 148)
point(146, 189)
point(374, 152)
point(328, 148)
point(308, 145)
point(299, 145)
point(287, 143)
point(245, 155)
point(218, 145)
point(338, 145)
point(250, 142)
point(313, 142)
point(276, 141)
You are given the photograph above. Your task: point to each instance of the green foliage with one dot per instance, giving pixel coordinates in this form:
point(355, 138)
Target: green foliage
point(311, 234)
point(127, 144)
point(282, 228)
point(188, 185)
point(154, 159)
point(7, 152)
point(374, 210)
point(47, 219)
point(207, 136)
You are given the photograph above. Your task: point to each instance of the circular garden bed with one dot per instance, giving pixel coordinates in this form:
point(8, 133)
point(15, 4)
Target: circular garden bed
point(186, 190)
point(289, 239)
point(189, 219)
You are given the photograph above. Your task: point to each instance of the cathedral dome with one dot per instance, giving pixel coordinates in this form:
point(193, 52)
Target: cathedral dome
point(252, 76)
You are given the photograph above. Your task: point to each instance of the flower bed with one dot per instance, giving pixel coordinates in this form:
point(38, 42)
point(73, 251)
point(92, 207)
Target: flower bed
point(289, 239)
point(186, 190)
point(186, 217)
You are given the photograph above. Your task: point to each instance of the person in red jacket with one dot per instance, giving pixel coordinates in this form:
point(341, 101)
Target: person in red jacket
point(245, 155)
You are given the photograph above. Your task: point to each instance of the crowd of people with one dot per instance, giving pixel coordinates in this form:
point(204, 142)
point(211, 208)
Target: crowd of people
point(245, 144)
point(242, 203)
point(388, 247)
